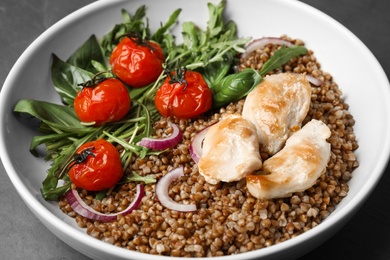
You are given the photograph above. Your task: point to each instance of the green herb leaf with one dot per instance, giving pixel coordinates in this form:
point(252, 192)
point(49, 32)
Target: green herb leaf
point(234, 87)
point(281, 57)
point(101, 195)
point(158, 36)
point(136, 177)
point(87, 53)
point(191, 36)
point(216, 71)
point(56, 116)
point(55, 193)
point(215, 23)
point(66, 78)
point(201, 48)
point(57, 171)
point(38, 140)
point(131, 23)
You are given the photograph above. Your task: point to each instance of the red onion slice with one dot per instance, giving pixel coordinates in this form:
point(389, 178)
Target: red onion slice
point(261, 42)
point(314, 81)
point(196, 149)
point(163, 143)
point(162, 192)
point(79, 206)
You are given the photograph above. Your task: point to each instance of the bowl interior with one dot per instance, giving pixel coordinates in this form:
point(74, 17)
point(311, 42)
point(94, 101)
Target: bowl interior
point(354, 68)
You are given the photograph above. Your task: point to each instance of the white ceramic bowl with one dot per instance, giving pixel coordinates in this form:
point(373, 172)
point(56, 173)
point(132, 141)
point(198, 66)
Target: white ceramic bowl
point(337, 49)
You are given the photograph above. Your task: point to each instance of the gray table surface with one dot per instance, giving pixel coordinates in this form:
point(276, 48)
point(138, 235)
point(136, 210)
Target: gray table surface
point(22, 236)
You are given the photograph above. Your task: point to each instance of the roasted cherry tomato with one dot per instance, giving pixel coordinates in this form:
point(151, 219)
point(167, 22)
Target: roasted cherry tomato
point(137, 62)
point(183, 96)
point(96, 166)
point(108, 101)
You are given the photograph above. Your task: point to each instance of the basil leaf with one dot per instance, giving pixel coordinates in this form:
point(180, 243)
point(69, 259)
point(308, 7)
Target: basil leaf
point(66, 77)
point(216, 71)
point(281, 57)
point(234, 87)
point(86, 53)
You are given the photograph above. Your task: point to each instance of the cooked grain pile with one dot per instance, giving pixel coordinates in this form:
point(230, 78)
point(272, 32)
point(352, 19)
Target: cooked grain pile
point(229, 220)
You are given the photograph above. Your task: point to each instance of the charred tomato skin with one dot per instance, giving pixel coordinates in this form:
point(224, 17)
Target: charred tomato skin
point(101, 169)
point(137, 64)
point(186, 99)
point(108, 101)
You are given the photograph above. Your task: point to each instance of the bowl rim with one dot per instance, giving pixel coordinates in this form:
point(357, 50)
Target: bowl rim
point(82, 238)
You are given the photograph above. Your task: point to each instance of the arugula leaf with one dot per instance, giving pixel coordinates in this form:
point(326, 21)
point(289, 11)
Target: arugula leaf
point(57, 171)
point(136, 177)
point(191, 37)
point(130, 23)
point(38, 140)
point(215, 23)
point(54, 192)
point(66, 78)
point(201, 48)
point(281, 57)
point(86, 54)
point(159, 35)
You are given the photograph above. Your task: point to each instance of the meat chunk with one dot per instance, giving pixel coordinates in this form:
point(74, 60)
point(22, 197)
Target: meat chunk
point(297, 166)
point(277, 107)
point(230, 150)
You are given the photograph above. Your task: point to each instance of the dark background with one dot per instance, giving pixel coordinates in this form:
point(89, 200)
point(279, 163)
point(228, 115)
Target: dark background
point(22, 236)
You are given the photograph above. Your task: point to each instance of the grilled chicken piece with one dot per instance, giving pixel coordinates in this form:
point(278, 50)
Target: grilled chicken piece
point(230, 150)
point(297, 166)
point(277, 107)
